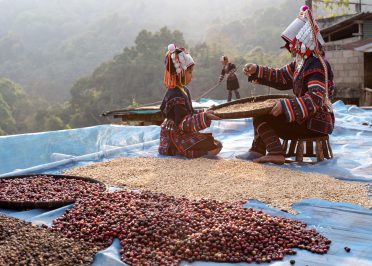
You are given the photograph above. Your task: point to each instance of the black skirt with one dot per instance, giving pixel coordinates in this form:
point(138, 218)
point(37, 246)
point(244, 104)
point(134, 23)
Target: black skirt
point(232, 84)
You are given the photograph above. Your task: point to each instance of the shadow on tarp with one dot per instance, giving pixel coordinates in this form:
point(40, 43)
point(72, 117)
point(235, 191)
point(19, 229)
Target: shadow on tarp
point(345, 224)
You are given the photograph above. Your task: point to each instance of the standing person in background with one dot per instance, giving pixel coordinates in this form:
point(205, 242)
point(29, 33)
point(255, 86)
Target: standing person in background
point(232, 80)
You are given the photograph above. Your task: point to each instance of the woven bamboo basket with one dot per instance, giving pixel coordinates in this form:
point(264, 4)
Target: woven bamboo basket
point(24, 205)
point(251, 113)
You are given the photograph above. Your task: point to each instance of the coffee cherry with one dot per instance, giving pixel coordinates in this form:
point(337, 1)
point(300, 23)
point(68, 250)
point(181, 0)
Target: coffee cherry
point(44, 188)
point(155, 229)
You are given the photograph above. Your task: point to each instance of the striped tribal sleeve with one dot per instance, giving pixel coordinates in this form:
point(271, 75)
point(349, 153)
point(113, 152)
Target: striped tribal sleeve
point(300, 108)
point(278, 78)
point(195, 122)
point(199, 110)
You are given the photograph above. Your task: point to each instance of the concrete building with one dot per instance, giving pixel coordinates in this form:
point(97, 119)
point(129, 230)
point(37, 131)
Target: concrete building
point(349, 50)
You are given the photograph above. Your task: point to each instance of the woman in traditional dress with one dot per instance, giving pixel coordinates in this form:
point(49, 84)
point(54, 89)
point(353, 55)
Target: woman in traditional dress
point(232, 80)
point(310, 77)
point(180, 130)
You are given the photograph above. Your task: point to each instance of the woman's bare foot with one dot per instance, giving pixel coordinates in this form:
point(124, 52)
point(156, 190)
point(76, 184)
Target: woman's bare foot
point(217, 150)
point(277, 159)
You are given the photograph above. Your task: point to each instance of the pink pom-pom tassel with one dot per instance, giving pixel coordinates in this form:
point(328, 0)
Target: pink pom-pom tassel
point(304, 8)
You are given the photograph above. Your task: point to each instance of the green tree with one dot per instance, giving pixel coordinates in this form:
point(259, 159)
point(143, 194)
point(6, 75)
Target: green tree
point(20, 113)
point(7, 122)
point(53, 123)
point(137, 72)
point(9, 94)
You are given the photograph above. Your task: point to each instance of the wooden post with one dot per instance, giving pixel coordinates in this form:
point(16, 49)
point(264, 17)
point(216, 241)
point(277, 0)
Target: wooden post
point(325, 149)
point(309, 148)
point(292, 148)
point(285, 146)
point(319, 151)
point(300, 151)
point(329, 148)
point(360, 30)
point(358, 7)
point(309, 3)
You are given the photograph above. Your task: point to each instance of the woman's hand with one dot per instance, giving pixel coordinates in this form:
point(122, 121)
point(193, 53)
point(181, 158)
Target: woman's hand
point(210, 108)
point(169, 124)
point(249, 69)
point(277, 109)
point(211, 116)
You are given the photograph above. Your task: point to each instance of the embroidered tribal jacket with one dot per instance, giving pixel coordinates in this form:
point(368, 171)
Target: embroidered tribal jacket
point(183, 135)
point(308, 85)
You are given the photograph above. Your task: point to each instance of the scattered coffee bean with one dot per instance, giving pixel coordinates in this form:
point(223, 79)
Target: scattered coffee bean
point(21, 243)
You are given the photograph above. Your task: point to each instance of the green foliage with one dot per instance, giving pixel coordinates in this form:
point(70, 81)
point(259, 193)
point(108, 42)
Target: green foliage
point(55, 51)
point(20, 113)
point(10, 91)
point(134, 104)
point(10, 94)
point(53, 123)
point(137, 73)
point(47, 45)
point(328, 8)
point(263, 29)
point(7, 122)
point(329, 3)
point(131, 78)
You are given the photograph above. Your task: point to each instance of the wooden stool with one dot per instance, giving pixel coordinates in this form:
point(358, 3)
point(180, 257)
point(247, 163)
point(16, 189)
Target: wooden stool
point(301, 148)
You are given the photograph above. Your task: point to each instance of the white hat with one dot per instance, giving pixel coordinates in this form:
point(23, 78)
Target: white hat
point(180, 57)
point(300, 33)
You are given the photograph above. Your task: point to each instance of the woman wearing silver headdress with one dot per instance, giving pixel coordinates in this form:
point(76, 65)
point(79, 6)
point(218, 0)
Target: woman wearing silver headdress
point(310, 77)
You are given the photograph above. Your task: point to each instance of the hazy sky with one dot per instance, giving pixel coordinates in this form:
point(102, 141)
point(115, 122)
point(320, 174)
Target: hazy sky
point(193, 16)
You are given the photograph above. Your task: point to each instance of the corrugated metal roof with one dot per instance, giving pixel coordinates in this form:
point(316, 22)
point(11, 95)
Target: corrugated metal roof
point(328, 22)
point(362, 46)
point(348, 21)
point(365, 49)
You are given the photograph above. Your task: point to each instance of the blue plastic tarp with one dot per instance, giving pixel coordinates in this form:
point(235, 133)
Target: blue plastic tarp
point(344, 224)
point(351, 142)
